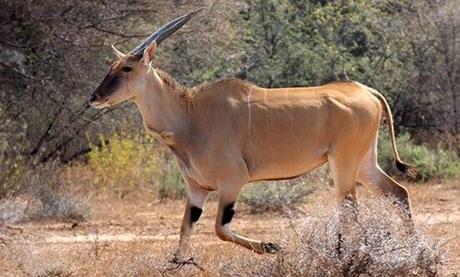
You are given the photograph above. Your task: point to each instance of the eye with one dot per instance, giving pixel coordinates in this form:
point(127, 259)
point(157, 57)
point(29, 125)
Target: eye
point(126, 68)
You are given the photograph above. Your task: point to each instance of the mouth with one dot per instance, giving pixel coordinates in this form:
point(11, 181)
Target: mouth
point(100, 104)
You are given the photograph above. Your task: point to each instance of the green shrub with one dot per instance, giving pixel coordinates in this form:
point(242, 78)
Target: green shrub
point(124, 163)
point(170, 182)
point(281, 195)
point(429, 163)
point(274, 196)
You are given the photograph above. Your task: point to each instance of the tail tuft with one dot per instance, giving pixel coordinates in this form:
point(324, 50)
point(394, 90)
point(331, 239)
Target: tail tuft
point(406, 169)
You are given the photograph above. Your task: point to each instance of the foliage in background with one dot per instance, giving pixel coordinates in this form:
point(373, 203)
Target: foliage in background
point(430, 163)
point(170, 182)
point(50, 64)
point(51, 60)
point(122, 163)
point(405, 49)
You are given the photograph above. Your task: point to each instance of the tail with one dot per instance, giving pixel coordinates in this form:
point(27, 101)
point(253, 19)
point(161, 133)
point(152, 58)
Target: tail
point(405, 168)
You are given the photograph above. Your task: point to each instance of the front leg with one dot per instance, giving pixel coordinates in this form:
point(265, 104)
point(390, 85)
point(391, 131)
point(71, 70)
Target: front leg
point(228, 194)
point(193, 209)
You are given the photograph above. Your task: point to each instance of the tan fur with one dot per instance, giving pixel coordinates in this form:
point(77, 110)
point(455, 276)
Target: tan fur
point(231, 132)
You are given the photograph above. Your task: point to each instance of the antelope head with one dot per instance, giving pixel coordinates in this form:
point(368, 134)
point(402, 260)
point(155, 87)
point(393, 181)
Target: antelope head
point(125, 77)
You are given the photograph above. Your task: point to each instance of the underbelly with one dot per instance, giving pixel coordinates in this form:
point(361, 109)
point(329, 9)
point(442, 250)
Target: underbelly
point(285, 170)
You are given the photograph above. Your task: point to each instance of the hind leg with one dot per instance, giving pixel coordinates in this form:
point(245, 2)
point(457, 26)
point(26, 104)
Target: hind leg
point(344, 174)
point(371, 175)
point(344, 170)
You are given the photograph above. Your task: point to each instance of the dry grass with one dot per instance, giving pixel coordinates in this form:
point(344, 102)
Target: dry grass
point(378, 244)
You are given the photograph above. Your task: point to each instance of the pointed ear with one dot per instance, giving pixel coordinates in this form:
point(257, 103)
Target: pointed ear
point(118, 53)
point(149, 52)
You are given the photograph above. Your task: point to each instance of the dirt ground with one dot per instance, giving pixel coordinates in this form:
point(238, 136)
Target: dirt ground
point(127, 237)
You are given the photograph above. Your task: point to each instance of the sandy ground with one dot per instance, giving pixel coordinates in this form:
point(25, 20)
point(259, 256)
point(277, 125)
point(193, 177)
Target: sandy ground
point(125, 235)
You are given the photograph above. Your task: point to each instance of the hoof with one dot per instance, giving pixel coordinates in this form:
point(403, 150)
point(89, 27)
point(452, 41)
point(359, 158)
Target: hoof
point(176, 259)
point(270, 248)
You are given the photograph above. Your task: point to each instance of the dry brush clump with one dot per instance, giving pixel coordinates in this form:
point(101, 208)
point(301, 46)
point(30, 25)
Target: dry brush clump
point(378, 242)
point(47, 203)
point(43, 196)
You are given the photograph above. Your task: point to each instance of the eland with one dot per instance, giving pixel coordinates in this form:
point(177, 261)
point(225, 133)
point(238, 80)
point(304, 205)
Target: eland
point(231, 132)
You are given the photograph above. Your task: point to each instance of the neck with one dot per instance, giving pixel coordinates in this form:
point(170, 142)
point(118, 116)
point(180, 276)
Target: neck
point(161, 107)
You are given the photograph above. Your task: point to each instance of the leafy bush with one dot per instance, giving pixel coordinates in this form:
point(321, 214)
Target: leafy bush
point(278, 196)
point(377, 243)
point(429, 163)
point(123, 163)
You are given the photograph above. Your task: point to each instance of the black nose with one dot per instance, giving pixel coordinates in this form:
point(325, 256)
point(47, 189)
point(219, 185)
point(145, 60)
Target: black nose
point(92, 98)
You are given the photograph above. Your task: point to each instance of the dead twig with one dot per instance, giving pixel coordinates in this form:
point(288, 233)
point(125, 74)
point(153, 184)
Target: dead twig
point(179, 264)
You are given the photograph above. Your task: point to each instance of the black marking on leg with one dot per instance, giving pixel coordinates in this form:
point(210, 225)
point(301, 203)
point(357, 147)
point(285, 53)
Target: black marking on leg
point(195, 214)
point(229, 211)
point(270, 248)
point(339, 248)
